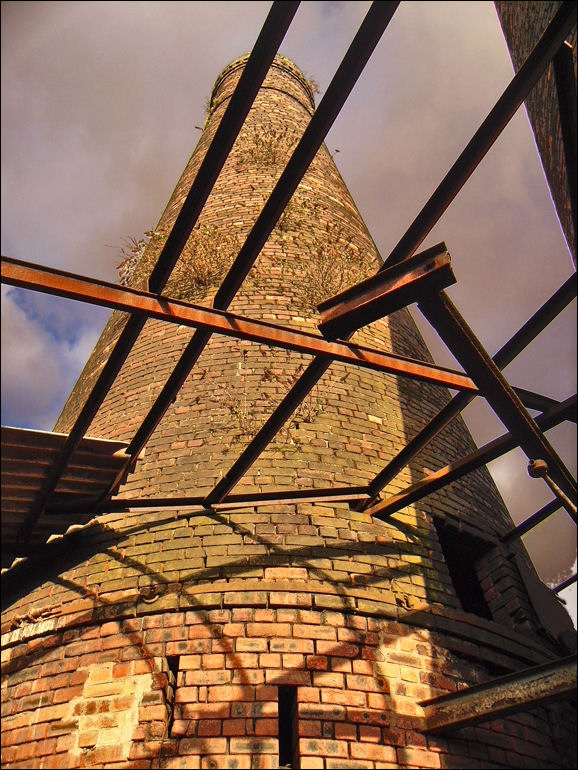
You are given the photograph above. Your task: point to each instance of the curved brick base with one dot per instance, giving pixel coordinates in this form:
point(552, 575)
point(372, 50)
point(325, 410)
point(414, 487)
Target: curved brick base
point(105, 696)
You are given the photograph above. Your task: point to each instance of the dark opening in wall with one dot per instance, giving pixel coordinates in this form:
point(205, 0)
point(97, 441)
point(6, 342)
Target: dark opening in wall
point(461, 552)
point(288, 729)
point(173, 662)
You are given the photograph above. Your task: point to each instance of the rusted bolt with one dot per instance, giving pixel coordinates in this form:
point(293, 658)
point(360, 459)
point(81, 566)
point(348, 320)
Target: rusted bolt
point(538, 469)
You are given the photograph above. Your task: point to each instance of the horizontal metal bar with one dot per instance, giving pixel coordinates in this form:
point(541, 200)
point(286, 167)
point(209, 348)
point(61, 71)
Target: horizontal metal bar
point(85, 507)
point(469, 352)
point(515, 692)
point(272, 33)
point(533, 400)
point(507, 353)
point(57, 282)
point(532, 521)
point(348, 72)
point(387, 291)
point(465, 465)
point(488, 132)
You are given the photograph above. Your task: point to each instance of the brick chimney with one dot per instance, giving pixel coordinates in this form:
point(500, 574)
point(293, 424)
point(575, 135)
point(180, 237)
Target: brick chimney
point(295, 634)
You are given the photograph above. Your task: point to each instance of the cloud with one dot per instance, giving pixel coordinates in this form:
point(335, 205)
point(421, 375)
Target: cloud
point(568, 595)
point(38, 368)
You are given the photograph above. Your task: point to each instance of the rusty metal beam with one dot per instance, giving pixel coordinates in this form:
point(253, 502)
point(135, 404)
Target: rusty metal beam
point(387, 291)
point(532, 521)
point(521, 691)
point(465, 465)
point(348, 72)
point(269, 40)
point(246, 500)
point(486, 135)
point(467, 349)
point(507, 353)
point(57, 282)
point(488, 132)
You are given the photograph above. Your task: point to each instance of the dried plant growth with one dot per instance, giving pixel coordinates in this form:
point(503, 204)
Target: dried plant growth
point(204, 261)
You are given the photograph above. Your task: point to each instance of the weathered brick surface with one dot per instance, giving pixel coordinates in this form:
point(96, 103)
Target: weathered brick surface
point(162, 637)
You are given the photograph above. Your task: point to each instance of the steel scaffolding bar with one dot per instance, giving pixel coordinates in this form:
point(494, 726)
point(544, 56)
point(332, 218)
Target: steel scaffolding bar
point(269, 40)
point(568, 582)
point(507, 353)
point(246, 500)
point(532, 521)
point(462, 342)
point(339, 89)
point(485, 136)
point(59, 283)
point(465, 465)
point(515, 692)
point(488, 132)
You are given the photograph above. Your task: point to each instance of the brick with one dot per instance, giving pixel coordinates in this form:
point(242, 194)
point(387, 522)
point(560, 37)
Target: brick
point(323, 748)
point(243, 660)
point(289, 599)
point(230, 693)
point(286, 573)
point(339, 649)
point(369, 751)
point(208, 678)
point(268, 630)
point(251, 645)
point(235, 727)
point(297, 678)
point(369, 734)
point(266, 727)
point(196, 746)
point(419, 757)
point(209, 727)
point(253, 746)
point(314, 632)
point(345, 731)
point(292, 645)
point(246, 598)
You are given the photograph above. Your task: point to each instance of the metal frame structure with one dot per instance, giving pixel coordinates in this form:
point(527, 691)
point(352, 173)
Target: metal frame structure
point(402, 280)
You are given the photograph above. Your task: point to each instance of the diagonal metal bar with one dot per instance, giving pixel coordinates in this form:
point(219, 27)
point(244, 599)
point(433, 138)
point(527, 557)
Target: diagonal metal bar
point(59, 283)
point(460, 339)
point(566, 90)
point(312, 139)
point(568, 582)
point(269, 40)
point(386, 291)
point(507, 353)
point(268, 431)
point(495, 699)
point(349, 70)
point(471, 462)
point(493, 125)
point(532, 521)
point(533, 400)
point(488, 132)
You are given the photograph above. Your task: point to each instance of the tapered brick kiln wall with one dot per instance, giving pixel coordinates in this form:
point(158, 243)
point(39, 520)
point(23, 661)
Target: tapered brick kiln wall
point(162, 637)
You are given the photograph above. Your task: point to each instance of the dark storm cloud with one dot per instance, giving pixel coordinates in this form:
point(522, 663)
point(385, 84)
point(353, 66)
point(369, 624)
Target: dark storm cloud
point(100, 101)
